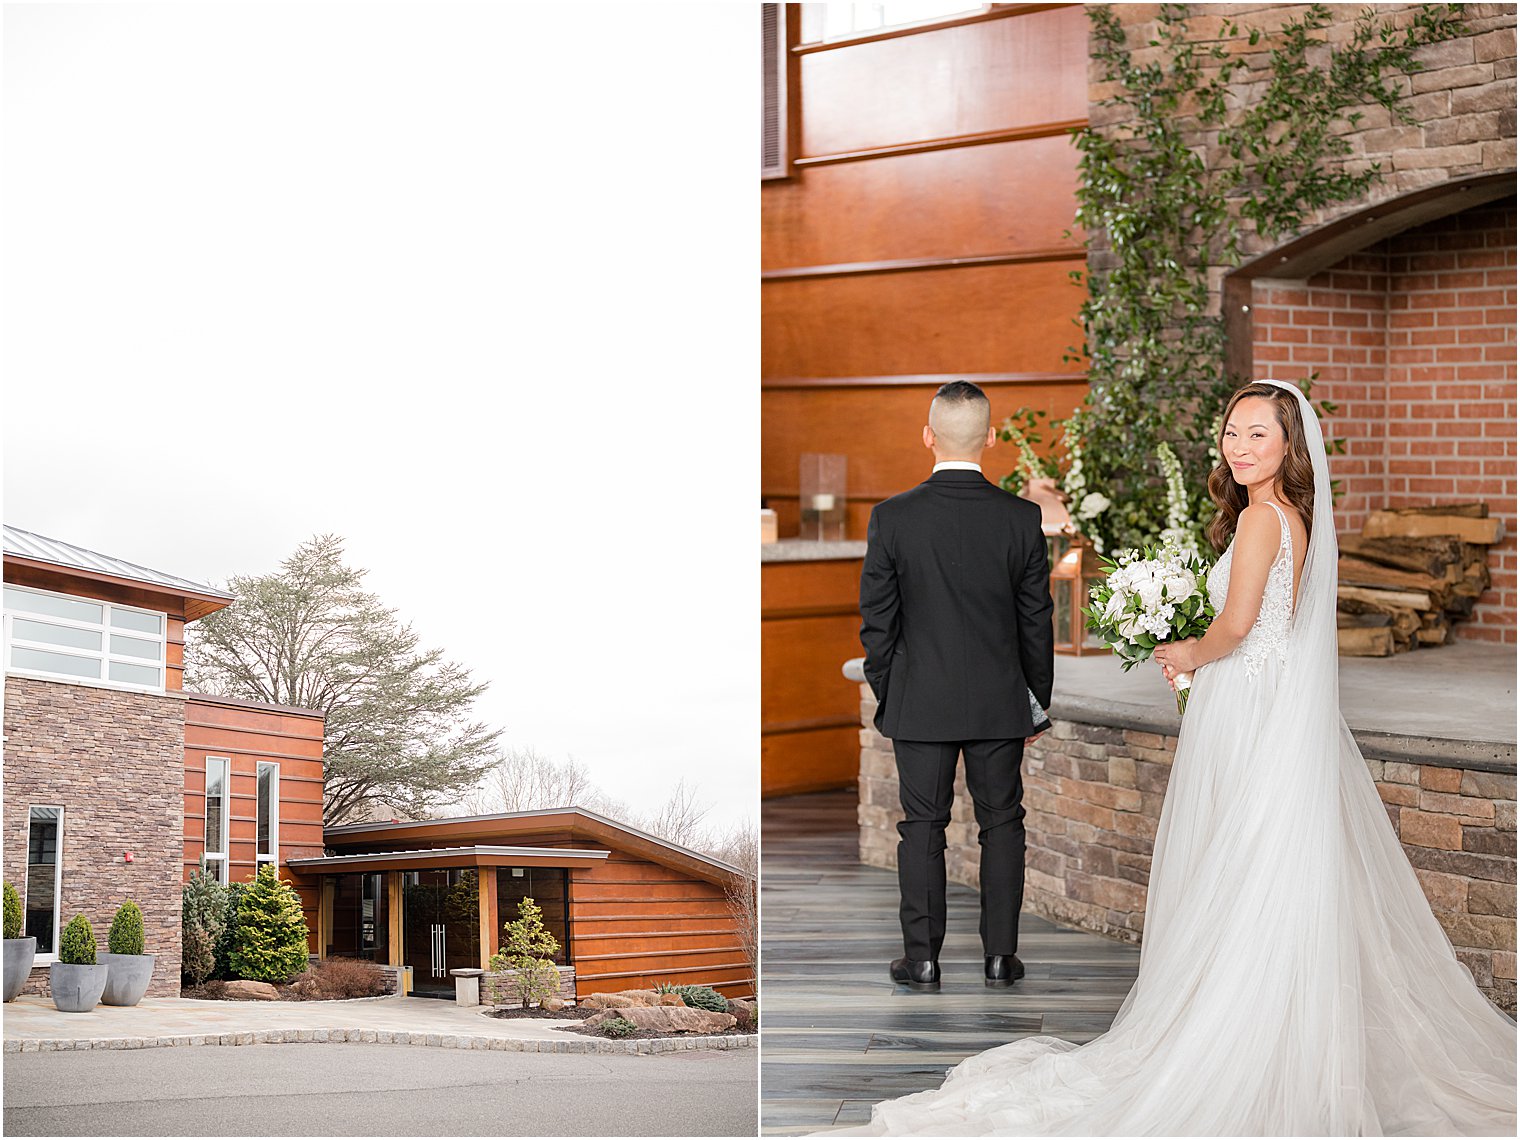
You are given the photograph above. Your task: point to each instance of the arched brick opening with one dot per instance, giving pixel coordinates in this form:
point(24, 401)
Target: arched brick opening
point(1406, 310)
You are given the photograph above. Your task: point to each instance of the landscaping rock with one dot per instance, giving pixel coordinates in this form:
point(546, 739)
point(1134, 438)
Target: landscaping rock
point(671, 999)
point(628, 999)
point(667, 1019)
point(259, 991)
point(741, 1008)
point(552, 1004)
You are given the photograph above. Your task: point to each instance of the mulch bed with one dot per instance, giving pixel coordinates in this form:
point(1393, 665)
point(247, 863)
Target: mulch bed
point(557, 1014)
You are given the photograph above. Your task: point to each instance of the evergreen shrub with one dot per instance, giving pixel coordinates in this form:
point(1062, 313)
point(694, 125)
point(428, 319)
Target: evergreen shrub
point(126, 936)
point(271, 935)
point(14, 924)
point(77, 946)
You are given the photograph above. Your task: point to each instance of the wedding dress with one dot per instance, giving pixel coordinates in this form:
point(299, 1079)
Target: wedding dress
point(1293, 980)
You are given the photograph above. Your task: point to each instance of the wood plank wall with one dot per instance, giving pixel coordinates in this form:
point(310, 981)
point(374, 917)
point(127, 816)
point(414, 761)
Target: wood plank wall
point(920, 239)
point(247, 734)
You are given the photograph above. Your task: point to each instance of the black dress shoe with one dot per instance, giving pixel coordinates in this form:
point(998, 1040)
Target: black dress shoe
point(1003, 970)
point(915, 975)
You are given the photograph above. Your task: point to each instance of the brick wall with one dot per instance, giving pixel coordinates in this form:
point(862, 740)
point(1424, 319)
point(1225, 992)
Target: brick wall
point(1414, 339)
point(115, 762)
point(1094, 794)
point(1463, 102)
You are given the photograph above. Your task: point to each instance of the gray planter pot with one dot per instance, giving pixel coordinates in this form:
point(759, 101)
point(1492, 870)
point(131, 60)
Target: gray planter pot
point(77, 989)
point(127, 978)
point(19, 955)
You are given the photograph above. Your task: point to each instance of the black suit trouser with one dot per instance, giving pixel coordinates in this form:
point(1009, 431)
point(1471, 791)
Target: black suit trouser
point(926, 783)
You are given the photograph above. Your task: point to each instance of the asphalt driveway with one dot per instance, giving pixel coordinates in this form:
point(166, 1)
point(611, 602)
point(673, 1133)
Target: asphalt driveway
point(379, 1090)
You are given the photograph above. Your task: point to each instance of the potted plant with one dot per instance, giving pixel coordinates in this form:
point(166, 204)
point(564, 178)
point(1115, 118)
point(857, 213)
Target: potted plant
point(19, 952)
point(76, 980)
point(129, 970)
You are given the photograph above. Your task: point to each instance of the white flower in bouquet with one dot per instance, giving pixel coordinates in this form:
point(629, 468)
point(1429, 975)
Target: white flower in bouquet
point(1145, 601)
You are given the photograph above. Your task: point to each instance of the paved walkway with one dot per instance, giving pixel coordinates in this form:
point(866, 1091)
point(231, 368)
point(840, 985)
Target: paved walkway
point(32, 1024)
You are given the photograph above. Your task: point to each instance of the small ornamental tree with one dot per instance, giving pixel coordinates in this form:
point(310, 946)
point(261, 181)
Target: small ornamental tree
point(13, 916)
point(527, 949)
point(77, 946)
point(126, 935)
point(203, 918)
point(271, 938)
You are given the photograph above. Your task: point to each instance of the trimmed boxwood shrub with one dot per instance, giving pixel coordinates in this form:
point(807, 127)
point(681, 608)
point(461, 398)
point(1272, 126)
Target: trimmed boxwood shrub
point(126, 935)
point(77, 946)
point(13, 917)
point(271, 937)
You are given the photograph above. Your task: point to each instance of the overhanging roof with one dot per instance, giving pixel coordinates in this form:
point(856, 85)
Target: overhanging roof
point(577, 820)
point(479, 856)
point(35, 549)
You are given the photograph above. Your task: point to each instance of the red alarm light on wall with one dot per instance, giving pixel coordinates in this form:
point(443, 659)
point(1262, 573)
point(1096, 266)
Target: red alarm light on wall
point(126, 856)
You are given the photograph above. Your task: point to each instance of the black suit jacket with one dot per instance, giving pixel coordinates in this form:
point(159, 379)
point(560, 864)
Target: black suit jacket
point(956, 611)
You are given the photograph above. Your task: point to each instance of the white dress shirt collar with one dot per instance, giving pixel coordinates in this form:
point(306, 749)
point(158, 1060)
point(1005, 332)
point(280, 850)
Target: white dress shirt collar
point(956, 465)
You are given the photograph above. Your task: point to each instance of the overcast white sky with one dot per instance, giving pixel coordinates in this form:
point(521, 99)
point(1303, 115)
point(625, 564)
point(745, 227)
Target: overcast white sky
point(474, 286)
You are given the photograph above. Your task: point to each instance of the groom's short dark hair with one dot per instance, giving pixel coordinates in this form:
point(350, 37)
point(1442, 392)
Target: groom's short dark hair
point(959, 391)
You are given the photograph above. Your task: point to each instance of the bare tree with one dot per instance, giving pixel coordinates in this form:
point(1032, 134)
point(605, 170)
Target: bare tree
point(679, 819)
point(398, 737)
point(523, 779)
point(740, 847)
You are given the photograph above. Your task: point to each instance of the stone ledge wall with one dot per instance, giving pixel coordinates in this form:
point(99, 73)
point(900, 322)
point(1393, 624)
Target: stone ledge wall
point(1094, 793)
point(115, 762)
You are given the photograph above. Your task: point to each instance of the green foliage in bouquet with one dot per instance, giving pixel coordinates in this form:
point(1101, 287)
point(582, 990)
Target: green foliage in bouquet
point(271, 939)
point(13, 916)
point(1118, 624)
point(126, 936)
point(77, 946)
point(1168, 196)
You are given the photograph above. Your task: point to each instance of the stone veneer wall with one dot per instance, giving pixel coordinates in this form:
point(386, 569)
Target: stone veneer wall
point(115, 762)
point(1094, 793)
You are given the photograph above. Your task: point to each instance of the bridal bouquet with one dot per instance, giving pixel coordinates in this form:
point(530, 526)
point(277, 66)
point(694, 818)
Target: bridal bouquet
point(1147, 600)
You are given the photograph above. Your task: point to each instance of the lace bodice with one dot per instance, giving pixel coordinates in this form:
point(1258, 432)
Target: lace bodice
point(1269, 634)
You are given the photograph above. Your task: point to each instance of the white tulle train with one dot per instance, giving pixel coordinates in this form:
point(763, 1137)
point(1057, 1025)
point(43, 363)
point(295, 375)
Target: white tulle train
point(1293, 981)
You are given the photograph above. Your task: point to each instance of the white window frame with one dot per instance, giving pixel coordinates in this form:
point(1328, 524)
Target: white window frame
point(221, 860)
point(48, 959)
point(273, 854)
point(103, 656)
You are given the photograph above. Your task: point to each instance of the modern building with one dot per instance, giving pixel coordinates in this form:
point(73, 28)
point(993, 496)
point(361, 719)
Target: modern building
point(119, 784)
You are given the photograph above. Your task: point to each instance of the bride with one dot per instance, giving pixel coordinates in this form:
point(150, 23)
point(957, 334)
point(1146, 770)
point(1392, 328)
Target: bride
point(1293, 980)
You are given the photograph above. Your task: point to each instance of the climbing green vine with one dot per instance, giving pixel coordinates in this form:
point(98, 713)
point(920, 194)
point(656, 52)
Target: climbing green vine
point(1196, 163)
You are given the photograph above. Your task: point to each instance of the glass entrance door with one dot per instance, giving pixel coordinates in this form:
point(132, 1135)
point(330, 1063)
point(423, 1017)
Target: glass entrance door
point(441, 927)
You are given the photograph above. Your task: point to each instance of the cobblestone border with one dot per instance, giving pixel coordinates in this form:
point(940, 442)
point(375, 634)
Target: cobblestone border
point(382, 1037)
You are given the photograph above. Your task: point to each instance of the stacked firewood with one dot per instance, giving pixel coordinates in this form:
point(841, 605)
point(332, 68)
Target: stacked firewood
point(1411, 576)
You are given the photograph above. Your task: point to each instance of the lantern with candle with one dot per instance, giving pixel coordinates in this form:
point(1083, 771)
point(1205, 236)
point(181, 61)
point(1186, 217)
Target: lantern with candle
point(821, 483)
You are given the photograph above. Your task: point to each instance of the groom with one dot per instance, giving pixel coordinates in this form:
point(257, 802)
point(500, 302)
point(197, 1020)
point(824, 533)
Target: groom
point(956, 609)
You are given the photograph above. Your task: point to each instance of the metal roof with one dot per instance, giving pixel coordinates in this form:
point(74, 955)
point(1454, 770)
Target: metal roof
point(349, 829)
point(571, 854)
point(39, 548)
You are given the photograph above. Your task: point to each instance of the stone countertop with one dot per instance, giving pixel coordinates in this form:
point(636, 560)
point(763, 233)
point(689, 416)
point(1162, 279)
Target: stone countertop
point(801, 550)
point(1451, 705)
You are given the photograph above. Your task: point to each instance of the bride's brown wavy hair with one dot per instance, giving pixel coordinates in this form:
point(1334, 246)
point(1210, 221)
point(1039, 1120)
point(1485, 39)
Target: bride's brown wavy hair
point(1295, 478)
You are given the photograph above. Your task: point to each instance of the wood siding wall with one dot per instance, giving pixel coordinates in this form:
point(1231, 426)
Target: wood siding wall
point(809, 713)
point(248, 734)
point(634, 921)
point(920, 239)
